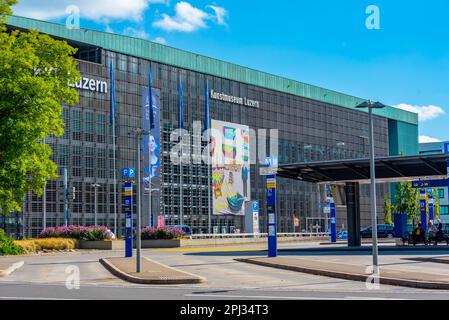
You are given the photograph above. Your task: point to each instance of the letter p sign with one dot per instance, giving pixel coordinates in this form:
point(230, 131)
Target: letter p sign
point(373, 20)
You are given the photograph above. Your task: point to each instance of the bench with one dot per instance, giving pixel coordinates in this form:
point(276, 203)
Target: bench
point(437, 239)
point(410, 239)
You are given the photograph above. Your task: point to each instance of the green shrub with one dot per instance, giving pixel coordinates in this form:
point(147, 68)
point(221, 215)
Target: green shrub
point(8, 246)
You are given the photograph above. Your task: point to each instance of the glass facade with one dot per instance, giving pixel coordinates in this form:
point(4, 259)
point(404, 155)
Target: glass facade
point(309, 130)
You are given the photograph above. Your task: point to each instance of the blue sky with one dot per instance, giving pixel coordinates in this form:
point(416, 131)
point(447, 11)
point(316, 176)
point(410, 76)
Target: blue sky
point(322, 42)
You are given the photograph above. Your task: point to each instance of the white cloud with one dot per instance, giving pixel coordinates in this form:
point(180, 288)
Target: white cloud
point(188, 18)
point(427, 139)
point(136, 33)
point(220, 14)
point(160, 40)
point(97, 10)
point(424, 112)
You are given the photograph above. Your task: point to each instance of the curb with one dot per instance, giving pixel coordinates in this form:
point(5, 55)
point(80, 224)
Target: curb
point(11, 269)
point(167, 281)
point(354, 277)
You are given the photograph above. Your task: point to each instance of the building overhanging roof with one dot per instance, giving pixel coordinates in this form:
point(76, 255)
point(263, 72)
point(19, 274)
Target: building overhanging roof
point(388, 169)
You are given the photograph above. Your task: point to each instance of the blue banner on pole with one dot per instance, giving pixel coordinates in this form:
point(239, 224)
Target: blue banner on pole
point(181, 107)
point(207, 120)
point(150, 94)
point(112, 94)
point(151, 144)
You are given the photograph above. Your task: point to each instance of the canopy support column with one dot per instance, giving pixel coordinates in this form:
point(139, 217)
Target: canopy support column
point(353, 213)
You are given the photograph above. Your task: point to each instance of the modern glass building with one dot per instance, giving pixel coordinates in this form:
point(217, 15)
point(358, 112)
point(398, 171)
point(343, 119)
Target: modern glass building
point(314, 124)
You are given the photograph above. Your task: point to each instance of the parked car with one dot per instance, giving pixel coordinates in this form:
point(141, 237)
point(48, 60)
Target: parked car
point(343, 235)
point(383, 231)
point(187, 230)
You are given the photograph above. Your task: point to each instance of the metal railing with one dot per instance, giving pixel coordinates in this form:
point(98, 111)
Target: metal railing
point(258, 235)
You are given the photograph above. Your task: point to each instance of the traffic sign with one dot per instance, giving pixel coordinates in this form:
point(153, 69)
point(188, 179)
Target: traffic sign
point(271, 162)
point(128, 172)
point(429, 183)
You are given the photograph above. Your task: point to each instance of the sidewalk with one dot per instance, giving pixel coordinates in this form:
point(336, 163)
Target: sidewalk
point(151, 272)
point(392, 276)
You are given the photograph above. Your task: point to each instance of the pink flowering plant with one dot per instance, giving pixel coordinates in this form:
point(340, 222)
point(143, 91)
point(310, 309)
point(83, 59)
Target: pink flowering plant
point(91, 233)
point(161, 233)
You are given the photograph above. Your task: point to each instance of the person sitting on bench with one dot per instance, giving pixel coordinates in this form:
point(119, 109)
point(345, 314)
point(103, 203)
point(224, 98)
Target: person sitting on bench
point(419, 235)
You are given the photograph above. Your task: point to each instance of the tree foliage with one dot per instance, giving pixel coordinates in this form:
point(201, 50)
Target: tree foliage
point(388, 209)
point(406, 200)
point(34, 74)
point(5, 8)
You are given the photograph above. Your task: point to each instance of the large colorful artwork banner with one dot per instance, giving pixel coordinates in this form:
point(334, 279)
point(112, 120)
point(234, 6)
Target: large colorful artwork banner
point(230, 149)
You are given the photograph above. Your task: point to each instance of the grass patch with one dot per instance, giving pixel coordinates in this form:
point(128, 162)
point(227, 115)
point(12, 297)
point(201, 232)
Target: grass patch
point(35, 245)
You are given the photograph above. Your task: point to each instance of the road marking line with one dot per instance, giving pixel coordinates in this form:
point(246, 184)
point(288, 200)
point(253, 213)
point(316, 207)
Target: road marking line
point(34, 298)
point(279, 298)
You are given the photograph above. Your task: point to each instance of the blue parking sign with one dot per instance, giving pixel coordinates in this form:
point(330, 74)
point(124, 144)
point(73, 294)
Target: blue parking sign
point(128, 172)
point(125, 172)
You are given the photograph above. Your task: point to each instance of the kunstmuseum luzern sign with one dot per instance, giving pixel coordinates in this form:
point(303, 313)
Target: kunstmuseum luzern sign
point(233, 99)
point(91, 85)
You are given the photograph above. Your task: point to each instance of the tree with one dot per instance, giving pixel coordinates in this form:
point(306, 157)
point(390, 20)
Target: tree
point(5, 8)
point(406, 200)
point(35, 71)
point(388, 209)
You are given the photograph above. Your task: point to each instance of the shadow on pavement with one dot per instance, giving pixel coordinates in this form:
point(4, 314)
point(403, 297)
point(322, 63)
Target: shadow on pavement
point(325, 252)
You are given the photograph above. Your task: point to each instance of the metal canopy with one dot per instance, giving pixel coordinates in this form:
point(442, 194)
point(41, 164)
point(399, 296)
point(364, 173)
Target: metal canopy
point(388, 169)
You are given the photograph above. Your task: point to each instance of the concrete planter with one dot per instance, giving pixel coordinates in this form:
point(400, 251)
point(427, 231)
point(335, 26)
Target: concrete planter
point(147, 244)
point(102, 245)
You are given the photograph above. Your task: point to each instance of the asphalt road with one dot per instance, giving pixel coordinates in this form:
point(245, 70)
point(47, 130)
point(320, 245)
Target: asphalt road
point(46, 278)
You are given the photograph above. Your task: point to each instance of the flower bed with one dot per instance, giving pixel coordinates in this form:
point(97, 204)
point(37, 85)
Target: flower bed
point(92, 233)
point(161, 233)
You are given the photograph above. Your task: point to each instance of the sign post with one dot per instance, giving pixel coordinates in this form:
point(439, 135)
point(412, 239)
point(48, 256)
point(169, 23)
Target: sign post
point(128, 174)
point(446, 151)
point(423, 208)
point(255, 205)
point(329, 209)
point(272, 216)
point(270, 171)
point(431, 205)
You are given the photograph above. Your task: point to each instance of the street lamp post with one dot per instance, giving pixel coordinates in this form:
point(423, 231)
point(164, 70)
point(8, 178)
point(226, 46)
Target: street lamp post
point(370, 106)
point(95, 186)
point(139, 134)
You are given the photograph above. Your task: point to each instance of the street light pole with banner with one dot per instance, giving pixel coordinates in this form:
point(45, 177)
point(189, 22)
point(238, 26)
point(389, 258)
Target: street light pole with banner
point(151, 146)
